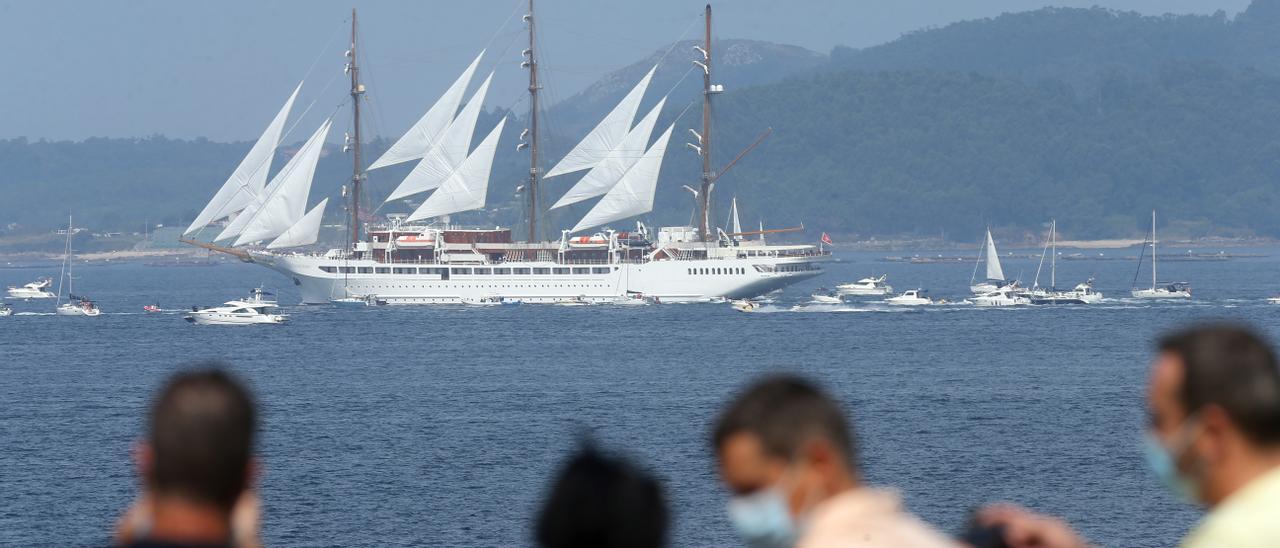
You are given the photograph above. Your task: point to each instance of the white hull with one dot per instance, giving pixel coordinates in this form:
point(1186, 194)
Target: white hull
point(221, 318)
point(26, 293)
point(999, 300)
point(863, 291)
point(76, 310)
point(826, 299)
point(321, 280)
point(1160, 293)
point(6, 311)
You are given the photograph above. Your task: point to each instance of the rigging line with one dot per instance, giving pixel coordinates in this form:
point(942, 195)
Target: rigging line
point(300, 117)
point(341, 30)
point(681, 80)
point(681, 38)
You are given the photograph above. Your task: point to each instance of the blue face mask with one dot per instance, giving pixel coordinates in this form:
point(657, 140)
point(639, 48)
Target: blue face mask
point(1164, 463)
point(763, 520)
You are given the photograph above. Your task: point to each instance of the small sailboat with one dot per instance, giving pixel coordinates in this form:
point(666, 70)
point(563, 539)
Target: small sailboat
point(38, 289)
point(1158, 290)
point(257, 309)
point(1083, 293)
point(868, 286)
point(910, 297)
point(75, 306)
point(994, 275)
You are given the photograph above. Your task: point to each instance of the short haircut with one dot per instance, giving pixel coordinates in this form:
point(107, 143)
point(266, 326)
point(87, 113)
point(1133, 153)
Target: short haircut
point(785, 412)
point(1234, 368)
point(203, 426)
point(600, 501)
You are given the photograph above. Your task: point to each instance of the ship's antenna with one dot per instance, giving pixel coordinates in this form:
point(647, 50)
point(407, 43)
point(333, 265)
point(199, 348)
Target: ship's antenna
point(532, 64)
point(704, 144)
point(357, 170)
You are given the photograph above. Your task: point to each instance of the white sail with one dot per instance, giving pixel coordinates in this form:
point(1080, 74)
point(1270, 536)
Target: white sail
point(467, 186)
point(994, 272)
point(250, 177)
point(415, 143)
point(605, 174)
point(734, 224)
point(449, 153)
point(287, 203)
point(305, 231)
point(607, 135)
point(633, 195)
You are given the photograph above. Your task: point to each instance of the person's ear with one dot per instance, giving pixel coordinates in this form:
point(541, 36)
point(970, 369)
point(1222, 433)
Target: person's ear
point(1214, 443)
point(144, 461)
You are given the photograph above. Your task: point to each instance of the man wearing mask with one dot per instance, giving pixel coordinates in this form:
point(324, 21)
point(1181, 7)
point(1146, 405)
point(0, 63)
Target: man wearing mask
point(787, 455)
point(1214, 439)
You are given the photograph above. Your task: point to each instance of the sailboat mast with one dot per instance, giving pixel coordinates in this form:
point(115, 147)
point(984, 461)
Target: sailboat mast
point(533, 128)
point(1153, 249)
point(1053, 259)
point(357, 171)
point(705, 140)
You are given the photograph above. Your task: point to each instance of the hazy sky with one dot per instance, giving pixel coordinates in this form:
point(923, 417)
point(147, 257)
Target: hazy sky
point(221, 68)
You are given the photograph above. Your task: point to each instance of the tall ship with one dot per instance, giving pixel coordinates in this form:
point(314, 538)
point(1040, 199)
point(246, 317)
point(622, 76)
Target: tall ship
point(423, 258)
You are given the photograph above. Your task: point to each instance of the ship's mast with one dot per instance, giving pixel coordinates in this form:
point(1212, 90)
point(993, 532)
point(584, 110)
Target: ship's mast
point(704, 144)
point(532, 64)
point(357, 170)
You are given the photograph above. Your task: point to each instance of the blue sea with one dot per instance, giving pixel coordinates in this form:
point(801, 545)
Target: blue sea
point(411, 426)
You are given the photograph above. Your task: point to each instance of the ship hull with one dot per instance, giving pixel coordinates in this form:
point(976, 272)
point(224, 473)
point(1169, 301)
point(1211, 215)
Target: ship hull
point(322, 279)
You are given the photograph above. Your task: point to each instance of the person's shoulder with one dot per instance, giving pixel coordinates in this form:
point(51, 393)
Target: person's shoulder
point(1246, 519)
point(164, 544)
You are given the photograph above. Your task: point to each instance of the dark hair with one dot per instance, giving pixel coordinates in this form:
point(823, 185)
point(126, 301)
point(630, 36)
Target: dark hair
point(603, 502)
point(202, 433)
point(785, 412)
point(1233, 368)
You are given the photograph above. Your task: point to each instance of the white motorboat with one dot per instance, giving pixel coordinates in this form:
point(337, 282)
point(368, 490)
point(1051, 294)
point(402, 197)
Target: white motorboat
point(38, 289)
point(910, 297)
point(573, 301)
point(995, 273)
point(869, 286)
point(743, 305)
point(254, 310)
point(1158, 290)
point(1273, 300)
point(1003, 297)
point(488, 300)
point(75, 306)
point(5, 310)
point(826, 297)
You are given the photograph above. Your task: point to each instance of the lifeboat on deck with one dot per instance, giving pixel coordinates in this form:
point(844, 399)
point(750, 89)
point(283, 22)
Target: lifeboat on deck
point(597, 240)
point(413, 241)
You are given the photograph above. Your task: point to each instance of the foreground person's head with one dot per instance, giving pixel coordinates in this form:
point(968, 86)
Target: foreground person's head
point(196, 462)
point(1214, 403)
point(602, 501)
point(783, 447)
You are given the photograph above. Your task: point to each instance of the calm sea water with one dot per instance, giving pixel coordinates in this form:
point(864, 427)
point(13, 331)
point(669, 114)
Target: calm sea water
point(405, 426)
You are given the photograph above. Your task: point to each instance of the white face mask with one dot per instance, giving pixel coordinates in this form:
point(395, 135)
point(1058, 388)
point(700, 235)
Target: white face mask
point(762, 519)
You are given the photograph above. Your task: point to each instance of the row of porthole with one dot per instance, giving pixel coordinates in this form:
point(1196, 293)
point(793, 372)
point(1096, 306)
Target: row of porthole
point(486, 286)
point(715, 271)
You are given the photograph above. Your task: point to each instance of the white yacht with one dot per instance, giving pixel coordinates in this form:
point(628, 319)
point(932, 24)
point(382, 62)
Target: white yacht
point(995, 279)
point(869, 286)
point(1083, 293)
point(38, 289)
point(910, 297)
point(421, 258)
point(1000, 297)
point(254, 310)
point(1158, 290)
point(822, 296)
point(75, 306)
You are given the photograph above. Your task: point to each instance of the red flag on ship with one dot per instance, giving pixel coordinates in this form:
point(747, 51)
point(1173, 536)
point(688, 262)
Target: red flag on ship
point(826, 239)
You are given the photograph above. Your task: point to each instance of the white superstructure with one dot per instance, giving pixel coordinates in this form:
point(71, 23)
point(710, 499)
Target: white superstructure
point(38, 289)
point(257, 309)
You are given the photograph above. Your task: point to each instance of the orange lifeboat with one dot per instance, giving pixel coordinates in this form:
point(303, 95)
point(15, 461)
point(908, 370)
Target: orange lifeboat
point(589, 241)
point(415, 241)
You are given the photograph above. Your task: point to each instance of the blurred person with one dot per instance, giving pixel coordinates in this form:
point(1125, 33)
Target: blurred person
point(599, 501)
point(196, 467)
point(1213, 439)
point(788, 457)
